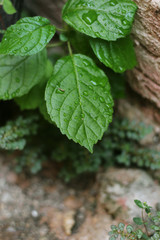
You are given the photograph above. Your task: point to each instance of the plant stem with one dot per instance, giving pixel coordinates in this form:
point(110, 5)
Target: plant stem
point(69, 48)
point(52, 45)
point(60, 29)
point(144, 224)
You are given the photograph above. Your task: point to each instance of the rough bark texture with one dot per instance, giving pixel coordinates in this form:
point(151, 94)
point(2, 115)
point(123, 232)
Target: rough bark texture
point(145, 78)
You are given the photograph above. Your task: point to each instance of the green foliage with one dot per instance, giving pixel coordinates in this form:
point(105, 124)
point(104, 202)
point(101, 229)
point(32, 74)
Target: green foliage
point(120, 144)
point(150, 226)
point(31, 159)
point(27, 37)
point(19, 74)
point(35, 97)
point(115, 54)
point(107, 19)
point(76, 95)
point(13, 136)
point(8, 7)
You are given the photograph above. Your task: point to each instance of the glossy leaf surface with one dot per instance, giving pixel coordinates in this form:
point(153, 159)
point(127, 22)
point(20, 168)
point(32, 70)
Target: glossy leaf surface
point(78, 99)
point(106, 19)
point(28, 36)
point(19, 74)
point(118, 55)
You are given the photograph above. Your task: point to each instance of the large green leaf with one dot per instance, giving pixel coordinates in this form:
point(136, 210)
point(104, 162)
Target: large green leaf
point(8, 7)
point(28, 36)
point(106, 19)
point(35, 97)
point(79, 100)
point(118, 55)
point(19, 74)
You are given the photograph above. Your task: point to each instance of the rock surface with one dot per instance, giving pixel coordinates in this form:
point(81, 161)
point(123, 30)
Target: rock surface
point(43, 207)
point(119, 188)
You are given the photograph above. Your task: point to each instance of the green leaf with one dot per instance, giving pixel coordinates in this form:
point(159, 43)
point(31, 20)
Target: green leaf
point(138, 220)
point(117, 82)
point(79, 100)
point(35, 97)
point(118, 55)
point(129, 228)
point(28, 36)
point(109, 19)
point(139, 203)
point(19, 74)
point(43, 111)
point(139, 233)
point(8, 7)
point(121, 226)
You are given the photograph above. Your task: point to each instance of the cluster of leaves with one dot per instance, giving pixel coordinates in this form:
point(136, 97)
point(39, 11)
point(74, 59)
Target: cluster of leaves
point(120, 145)
point(150, 225)
point(77, 97)
point(31, 159)
point(13, 136)
point(123, 141)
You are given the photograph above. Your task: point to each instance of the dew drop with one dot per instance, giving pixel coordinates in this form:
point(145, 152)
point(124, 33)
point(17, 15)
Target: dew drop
point(26, 48)
point(121, 69)
point(64, 114)
point(86, 63)
point(112, 3)
point(124, 22)
point(85, 93)
point(94, 83)
point(90, 17)
point(101, 99)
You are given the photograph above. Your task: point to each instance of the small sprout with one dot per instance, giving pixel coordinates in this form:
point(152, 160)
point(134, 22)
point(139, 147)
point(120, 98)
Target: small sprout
point(139, 203)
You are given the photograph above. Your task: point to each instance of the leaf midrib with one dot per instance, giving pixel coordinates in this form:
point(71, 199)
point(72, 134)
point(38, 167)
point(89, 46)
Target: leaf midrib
point(79, 95)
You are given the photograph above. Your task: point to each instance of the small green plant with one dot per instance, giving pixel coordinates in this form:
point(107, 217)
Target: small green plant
point(75, 93)
point(145, 227)
point(13, 136)
point(120, 145)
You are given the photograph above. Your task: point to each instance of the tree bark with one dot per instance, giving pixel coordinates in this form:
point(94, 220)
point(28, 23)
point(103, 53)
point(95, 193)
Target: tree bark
point(145, 78)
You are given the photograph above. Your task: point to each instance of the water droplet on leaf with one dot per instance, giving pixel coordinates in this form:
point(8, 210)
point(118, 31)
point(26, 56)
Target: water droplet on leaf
point(124, 22)
point(101, 99)
point(89, 17)
point(85, 93)
point(112, 3)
